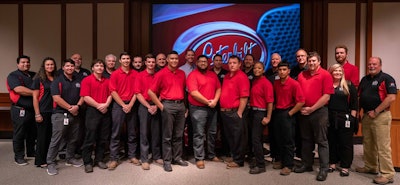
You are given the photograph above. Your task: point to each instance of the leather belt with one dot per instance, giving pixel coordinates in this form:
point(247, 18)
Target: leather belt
point(227, 110)
point(260, 109)
point(173, 101)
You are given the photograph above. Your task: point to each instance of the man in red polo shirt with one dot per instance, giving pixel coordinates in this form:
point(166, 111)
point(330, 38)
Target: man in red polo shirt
point(96, 94)
point(121, 85)
point(289, 99)
point(169, 86)
point(351, 72)
point(317, 86)
point(204, 90)
point(148, 115)
point(234, 94)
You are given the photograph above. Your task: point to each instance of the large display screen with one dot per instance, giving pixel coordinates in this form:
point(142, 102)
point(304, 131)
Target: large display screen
point(227, 29)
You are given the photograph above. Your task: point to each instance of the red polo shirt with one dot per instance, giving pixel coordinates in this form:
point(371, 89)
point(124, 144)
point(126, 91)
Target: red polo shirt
point(143, 83)
point(233, 88)
point(170, 85)
point(314, 86)
point(351, 73)
point(288, 94)
point(206, 84)
point(97, 89)
point(261, 93)
point(123, 83)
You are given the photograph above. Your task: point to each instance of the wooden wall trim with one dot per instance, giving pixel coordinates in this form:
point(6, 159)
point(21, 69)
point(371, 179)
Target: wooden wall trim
point(20, 29)
point(94, 29)
point(358, 34)
point(369, 33)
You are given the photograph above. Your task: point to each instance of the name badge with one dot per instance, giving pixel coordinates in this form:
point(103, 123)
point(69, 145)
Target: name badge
point(347, 124)
point(22, 113)
point(66, 121)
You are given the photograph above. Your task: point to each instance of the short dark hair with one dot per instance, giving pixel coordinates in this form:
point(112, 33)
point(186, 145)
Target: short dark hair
point(172, 53)
point(23, 56)
point(68, 60)
point(249, 54)
point(341, 46)
point(96, 61)
point(235, 57)
point(284, 64)
point(314, 54)
point(202, 56)
point(217, 55)
point(187, 51)
point(149, 55)
point(124, 53)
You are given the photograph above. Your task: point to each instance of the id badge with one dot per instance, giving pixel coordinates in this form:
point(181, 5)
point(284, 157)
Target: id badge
point(347, 124)
point(66, 121)
point(22, 113)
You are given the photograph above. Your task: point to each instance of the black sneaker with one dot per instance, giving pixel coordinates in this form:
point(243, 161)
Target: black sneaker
point(88, 168)
point(21, 162)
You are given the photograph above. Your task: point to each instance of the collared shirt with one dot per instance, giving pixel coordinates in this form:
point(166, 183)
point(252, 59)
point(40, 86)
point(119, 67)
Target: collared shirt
point(96, 88)
point(233, 88)
point(221, 74)
point(296, 70)
point(287, 94)
point(19, 78)
point(261, 93)
point(271, 75)
point(143, 83)
point(187, 68)
point(170, 85)
point(316, 85)
point(374, 89)
point(206, 84)
point(45, 99)
point(351, 73)
point(67, 89)
point(123, 83)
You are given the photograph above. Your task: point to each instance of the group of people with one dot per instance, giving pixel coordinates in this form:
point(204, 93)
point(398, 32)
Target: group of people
point(145, 105)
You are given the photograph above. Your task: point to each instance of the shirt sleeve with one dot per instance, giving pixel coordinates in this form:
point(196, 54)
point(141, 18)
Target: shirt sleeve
point(55, 87)
point(85, 87)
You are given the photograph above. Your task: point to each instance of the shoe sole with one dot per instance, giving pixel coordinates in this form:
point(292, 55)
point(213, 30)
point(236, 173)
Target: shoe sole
point(51, 173)
point(21, 164)
point(74, 165)
point(389, 182)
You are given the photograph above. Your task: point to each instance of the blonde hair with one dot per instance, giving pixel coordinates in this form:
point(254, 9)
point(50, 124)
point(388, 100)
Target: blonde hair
point(343, 82)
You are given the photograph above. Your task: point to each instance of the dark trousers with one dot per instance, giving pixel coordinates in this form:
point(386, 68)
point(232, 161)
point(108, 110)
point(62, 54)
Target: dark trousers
point(203, 118)
point(173, 122)
point(340, 139)
point(271, 137)
point(314, 130)
point(69, 133)
point(97, 133)
point(257, 136)
point(24, 131)
point(284, 131)
point(119, 117)
point(233, 127)
point(247, 133)
point(44, 130)
point(297, 137)
point(149, 134)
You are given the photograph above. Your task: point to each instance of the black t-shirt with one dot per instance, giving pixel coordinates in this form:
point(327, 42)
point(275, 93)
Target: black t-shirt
point(45, 99)
point(374, 89)
point(19, 78)
point(341, 102)
point(68, 90)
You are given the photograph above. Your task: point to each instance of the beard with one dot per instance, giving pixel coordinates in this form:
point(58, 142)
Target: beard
point(202, 70)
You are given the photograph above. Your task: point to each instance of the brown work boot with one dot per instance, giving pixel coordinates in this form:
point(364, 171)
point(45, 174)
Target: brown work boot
point(366, 170)
point(232, 165)
point(383, 180)
point(159, 161)
point(228, 160)
point(112, 165)
point(277, 165)
point(134, 161)
point(145, 166)
point(285, 171)
point(200, 164)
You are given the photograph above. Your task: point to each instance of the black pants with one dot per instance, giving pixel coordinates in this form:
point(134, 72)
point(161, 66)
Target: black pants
point(257, 136)
point(44, 132)
point(233, 127)
point(173, 122)
point(284, 130)
point(247, 133)
point(314, 130)
point(150, 136)
point(24, 131)
point(97, 133)
point(340, 139)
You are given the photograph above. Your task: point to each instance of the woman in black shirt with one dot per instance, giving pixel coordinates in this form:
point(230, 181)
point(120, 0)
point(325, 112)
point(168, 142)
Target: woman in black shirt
point(343, 108)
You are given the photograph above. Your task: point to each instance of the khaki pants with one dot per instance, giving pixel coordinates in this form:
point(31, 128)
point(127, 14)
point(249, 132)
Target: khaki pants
point(376, 142)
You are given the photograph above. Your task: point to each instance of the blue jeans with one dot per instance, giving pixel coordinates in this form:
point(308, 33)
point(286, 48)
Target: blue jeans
point(203, 118)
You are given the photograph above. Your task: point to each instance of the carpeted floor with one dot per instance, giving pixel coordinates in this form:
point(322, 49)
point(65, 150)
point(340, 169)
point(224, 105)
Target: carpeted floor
point(126, 173)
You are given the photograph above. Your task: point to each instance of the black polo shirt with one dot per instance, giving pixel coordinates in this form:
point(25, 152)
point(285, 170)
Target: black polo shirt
point(68, 90)
point(373, 90)
point(45, 99)
point(19, 78)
